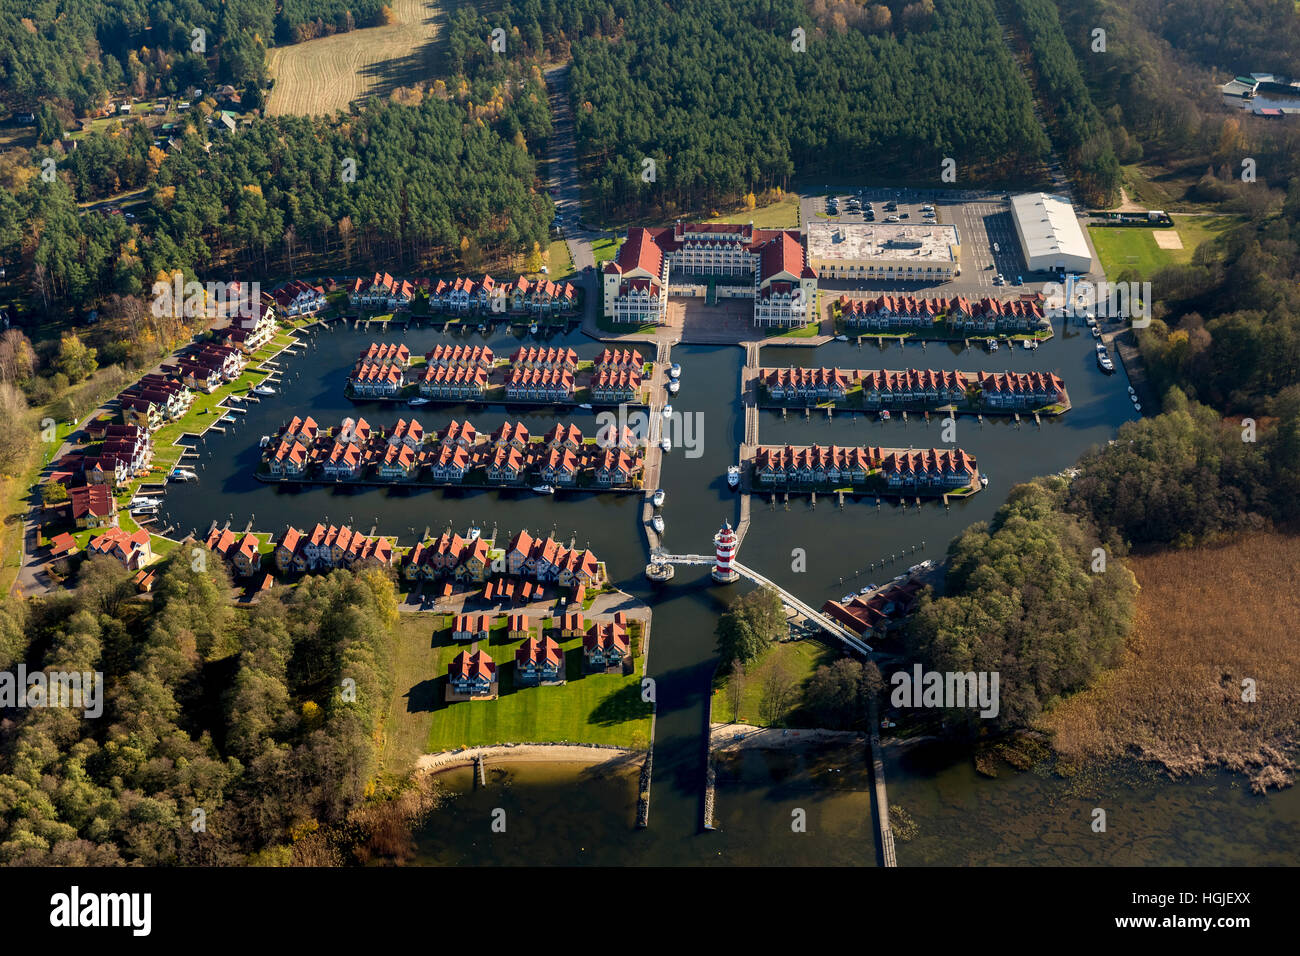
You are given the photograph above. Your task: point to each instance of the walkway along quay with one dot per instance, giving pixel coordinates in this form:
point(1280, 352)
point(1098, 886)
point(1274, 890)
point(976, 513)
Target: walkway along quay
point(428, 484)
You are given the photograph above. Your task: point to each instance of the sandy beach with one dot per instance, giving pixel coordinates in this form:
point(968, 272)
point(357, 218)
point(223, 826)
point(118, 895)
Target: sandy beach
point(724, 737)
point(527, 753)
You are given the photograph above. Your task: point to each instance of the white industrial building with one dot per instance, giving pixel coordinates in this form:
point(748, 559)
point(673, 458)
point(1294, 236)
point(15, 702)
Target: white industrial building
point(1050, 234)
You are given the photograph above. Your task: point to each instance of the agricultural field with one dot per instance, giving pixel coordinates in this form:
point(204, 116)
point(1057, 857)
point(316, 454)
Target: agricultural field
point(328, 74)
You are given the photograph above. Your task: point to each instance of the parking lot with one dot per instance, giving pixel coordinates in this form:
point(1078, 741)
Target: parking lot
point(984, 229)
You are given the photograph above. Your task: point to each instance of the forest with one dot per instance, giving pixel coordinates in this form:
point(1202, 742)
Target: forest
point(428, 182)
point(1076, 124)
point(72, 53)
point(263, 718)
point(724, 104)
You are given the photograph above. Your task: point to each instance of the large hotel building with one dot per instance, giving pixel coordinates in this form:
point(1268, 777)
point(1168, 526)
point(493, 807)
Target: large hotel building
point(784, 285)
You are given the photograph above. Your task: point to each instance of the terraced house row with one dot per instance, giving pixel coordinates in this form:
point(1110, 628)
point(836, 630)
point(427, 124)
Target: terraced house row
point(463, 373)
point(936, 469)
point(355, 450)
point(885, 388)
point(539, 297)
point(154, 400)
point(120, 453)
point(541, 560)
point(326, 547)
point(956, 314)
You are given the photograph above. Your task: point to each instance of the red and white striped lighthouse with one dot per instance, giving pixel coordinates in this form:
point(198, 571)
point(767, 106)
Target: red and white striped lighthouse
point(725, 545)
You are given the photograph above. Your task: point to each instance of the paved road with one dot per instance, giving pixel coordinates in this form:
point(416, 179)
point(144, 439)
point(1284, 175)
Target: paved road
point(562, 168)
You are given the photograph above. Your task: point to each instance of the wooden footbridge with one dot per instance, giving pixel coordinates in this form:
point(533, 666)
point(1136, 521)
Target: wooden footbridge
point(834, 628)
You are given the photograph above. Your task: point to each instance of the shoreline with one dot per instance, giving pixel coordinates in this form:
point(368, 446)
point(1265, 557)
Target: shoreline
point(722, 737)
point(591, 755)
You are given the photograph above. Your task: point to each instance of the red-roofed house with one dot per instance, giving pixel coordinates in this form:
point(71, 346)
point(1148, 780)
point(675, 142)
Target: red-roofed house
point(472, 676)
point(636, 281)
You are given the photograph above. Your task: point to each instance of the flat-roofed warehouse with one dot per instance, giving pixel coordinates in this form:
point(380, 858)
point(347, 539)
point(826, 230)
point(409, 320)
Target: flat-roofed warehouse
point(1050, 234)
point(861, 250)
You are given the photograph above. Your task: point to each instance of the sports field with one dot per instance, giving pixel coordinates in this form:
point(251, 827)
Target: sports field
point(328, 74)
point(1135, 248)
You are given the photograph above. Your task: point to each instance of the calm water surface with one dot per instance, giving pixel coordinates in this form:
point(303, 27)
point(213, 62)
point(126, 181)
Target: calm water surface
point(563, 815)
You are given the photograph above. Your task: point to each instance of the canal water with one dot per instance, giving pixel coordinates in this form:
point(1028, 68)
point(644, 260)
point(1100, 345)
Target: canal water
point(585, 816)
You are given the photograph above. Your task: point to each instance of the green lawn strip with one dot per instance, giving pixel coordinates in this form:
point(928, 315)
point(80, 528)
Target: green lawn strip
point(797, 332)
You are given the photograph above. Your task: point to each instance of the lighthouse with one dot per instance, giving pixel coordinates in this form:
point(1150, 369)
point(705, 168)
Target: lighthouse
point(725, 545)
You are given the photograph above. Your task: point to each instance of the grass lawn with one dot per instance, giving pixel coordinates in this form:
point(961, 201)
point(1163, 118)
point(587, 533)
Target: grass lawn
point(623, 328)
point(603, 250)
point(590, 708)
point(798, 332)
point(778, 215)
point(800, 659)
point(1134, 247)
point(1125, 248)
point(558, 260)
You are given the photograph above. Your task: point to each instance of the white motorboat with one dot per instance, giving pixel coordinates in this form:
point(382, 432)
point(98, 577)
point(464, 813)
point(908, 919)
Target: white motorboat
point(543, 489)
point(657, 499)
point(993, 345)
point(847, 598)
point(841, 338)
point(666, 445)
point(474, 533)
point(657, 522)
point(145, 510)
point(263, 390)
point(532, 329)
point(417, 402)
point(266, 440)
point(145, 502)
point(586, 406)
point(1028, 345)
point(866, 590)
point(984, 481)
point(668, 411)
point(733, 475)
point(674, 386)
point(1096, 332)
point(674, 370)
point(180, 474)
